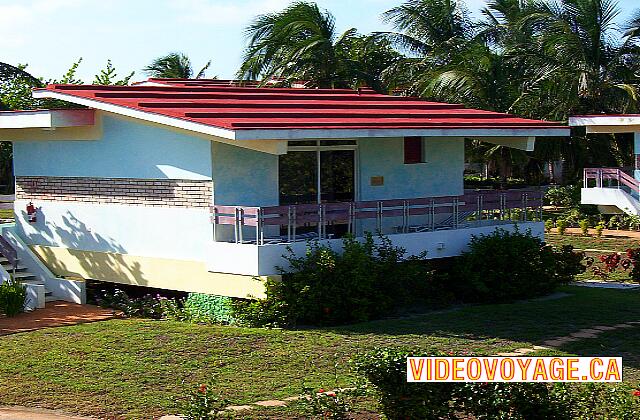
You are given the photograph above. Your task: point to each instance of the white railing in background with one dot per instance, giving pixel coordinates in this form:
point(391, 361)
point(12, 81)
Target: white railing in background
point(603, 178)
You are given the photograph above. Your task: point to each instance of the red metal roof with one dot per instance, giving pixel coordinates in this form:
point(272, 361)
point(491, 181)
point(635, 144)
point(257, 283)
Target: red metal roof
point(224, 104)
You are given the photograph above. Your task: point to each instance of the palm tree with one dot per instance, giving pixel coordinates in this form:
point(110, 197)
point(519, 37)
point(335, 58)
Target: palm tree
point(300, 43)
point(632, 28)
point(592, 67)
point(432, 33)
point(174, 65)
point(541, 59)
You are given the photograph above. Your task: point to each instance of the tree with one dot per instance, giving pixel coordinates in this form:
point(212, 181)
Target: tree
point(537, 59)
point(15, 86)
point(301, 43)
point(107, 76)
point(7, 71)
point(174, 65)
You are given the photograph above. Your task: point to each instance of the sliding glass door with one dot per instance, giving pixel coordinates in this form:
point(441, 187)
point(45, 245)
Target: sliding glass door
point(317, 173)
point(337, 176)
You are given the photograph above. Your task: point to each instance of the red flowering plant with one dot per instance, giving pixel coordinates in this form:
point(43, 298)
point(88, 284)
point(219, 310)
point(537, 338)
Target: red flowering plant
point(204, 404)
point(610, 263)
point(333, 404)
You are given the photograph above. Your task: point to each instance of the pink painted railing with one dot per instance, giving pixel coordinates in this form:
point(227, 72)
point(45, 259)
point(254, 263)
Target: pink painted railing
point(406, 215)
point(604, 176)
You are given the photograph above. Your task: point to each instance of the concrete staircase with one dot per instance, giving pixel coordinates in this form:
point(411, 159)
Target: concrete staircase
point(21, 275)
point(612, 190)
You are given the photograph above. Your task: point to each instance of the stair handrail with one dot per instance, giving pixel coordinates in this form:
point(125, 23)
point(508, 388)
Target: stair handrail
point(628, 180)
point(9, 252)
point(599, 174)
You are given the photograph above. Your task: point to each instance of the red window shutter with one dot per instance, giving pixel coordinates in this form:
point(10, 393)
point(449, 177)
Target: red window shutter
point(413, 150)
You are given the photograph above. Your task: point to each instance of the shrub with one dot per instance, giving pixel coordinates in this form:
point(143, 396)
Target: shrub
point(524, 401)
point(584, 226)
point(600, 401)
point(147, 306)
point(504, 266)
point(569, 263)
point(332, 405)
point(204, 404)
point(385, 372)
point(12, 298)
point(198, 307)
point(201, 307)
point(548, 225)
point(561, 225)
point(567, 196)
point(325, 287)
point(634, 256)
point(385, 369)
point(633, 222)
point(614, 223)
point(599, 228)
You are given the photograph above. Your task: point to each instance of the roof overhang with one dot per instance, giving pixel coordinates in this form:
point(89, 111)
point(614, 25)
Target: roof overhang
point(242, 135)
point(607, 123)
point(47, 118)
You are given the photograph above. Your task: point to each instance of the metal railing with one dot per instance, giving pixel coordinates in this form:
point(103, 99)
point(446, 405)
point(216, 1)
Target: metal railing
point(10, 253)
point(610, 178)
point(253, 224)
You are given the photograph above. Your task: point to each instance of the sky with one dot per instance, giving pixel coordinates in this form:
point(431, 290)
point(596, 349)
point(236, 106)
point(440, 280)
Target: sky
point(49, 35)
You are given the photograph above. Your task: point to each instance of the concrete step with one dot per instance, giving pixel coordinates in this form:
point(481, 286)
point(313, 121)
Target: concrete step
point(48, 296)
point(9, 267)
point(23, 275)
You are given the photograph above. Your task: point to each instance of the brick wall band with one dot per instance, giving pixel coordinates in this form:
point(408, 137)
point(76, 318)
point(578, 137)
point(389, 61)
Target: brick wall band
point(140, 192)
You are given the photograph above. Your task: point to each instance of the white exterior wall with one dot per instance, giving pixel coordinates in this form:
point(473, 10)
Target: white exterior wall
point(263, 260)
point(175, 233)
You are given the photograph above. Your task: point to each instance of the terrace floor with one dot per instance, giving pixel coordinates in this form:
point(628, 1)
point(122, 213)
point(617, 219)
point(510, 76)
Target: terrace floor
point(55, 314)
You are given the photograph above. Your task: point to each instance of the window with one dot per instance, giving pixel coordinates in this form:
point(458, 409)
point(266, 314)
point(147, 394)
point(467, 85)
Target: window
point(413, 150)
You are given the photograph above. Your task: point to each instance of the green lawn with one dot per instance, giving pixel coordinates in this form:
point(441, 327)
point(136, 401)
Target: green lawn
point(136, 368)
point(592, 242)
point(612, 244)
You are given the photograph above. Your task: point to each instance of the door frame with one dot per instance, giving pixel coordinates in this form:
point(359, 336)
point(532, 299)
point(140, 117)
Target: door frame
point(321, 148)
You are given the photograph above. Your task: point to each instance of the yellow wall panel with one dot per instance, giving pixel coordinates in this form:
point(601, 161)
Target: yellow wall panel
point(187, 276)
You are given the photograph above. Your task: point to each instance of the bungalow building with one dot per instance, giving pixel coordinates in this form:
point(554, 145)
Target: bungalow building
point(617, 189)
point(202, 185)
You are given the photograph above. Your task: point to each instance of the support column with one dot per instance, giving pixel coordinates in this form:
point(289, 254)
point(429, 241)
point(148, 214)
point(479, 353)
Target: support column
point(636, 151)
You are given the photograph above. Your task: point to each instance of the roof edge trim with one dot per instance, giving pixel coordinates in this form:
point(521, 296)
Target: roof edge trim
point(141, 115)
point(47, 118)
point(604, 119)
point(299, 134)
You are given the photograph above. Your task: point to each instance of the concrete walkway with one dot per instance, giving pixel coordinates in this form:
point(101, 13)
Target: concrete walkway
point(55, 314)
point(24, 413)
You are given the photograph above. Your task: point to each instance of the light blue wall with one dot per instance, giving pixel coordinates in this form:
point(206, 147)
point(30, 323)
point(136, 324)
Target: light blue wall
point(440, 175)
point(127, 150)
point(244, 177)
